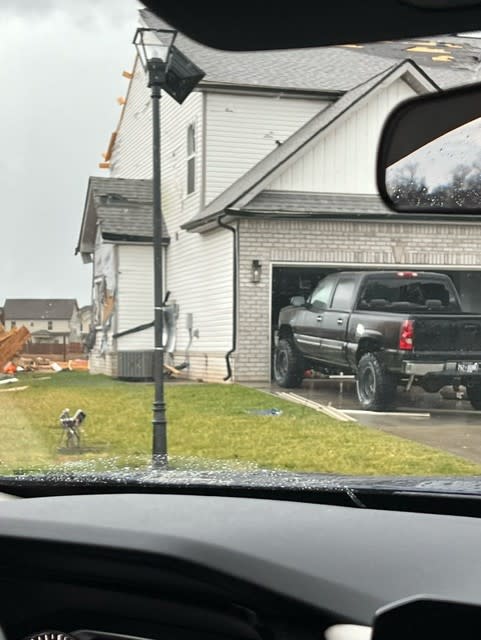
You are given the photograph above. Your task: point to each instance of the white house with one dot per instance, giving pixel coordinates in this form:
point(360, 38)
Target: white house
point(268, 183)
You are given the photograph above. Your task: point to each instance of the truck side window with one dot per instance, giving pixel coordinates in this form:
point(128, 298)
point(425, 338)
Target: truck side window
point(343, 296)
point(322, 294)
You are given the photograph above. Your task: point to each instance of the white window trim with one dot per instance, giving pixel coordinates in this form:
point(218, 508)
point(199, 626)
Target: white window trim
point(191, 156)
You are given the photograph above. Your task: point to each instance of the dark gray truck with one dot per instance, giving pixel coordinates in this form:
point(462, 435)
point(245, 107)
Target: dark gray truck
point(389, 328)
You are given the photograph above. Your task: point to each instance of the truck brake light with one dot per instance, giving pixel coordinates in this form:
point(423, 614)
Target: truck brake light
point(406, 339)
point(407, 274)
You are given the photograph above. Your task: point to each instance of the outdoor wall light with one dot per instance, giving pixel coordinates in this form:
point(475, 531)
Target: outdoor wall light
point(256, 271)
point(165, 65)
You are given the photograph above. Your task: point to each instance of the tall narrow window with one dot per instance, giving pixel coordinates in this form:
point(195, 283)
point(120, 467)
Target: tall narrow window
point(50, 325)
point(191, 159)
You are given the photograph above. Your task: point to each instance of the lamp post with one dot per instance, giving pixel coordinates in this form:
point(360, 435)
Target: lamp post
point(168, 69)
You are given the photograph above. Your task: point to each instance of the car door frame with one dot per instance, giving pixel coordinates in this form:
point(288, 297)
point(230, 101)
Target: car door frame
point(309, 332)
point(336, 322)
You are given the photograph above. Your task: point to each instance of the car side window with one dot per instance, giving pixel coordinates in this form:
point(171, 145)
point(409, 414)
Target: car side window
point(321, 295)
point(343, 296)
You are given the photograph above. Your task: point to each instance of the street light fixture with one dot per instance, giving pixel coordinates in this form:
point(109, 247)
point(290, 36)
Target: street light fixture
point(168, 69)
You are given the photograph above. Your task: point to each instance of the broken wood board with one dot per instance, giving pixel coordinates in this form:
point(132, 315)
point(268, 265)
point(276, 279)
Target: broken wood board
point(14, 389)
point(11, 343)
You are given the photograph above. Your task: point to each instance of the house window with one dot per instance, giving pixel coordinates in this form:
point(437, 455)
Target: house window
point(32, 324)
point(50, 325)
point(190, 159)
point(13, 324)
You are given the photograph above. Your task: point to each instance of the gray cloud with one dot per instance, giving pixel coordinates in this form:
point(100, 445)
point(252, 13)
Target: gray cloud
point(58, 109)
point(85, 14)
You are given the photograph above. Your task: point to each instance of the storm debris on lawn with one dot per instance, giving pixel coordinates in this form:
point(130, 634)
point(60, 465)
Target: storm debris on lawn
point(14, 389)
point(264, 412)
point(40, 363)
point(11, 343)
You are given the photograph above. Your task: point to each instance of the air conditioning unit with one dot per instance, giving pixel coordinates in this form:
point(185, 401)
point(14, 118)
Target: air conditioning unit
point(135, 365)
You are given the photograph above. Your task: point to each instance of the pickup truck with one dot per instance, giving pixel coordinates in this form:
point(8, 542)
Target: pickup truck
point(388, 328)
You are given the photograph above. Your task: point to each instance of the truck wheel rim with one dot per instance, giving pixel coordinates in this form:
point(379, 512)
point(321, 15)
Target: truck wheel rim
point(281, 363)
point(367, 384)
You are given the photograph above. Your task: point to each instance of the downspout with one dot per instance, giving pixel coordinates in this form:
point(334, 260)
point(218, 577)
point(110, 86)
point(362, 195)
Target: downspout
point(234, 297)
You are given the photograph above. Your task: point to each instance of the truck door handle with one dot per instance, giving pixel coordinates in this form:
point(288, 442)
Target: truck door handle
point(320, 318)
point(340, 321)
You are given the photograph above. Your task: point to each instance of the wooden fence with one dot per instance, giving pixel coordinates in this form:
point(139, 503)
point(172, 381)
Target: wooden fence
point(52, 348)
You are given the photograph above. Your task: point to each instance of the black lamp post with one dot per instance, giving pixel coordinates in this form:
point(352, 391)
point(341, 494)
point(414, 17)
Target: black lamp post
point(166, 68)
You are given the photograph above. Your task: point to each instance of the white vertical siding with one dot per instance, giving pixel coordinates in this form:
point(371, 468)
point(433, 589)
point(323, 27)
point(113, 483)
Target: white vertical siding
point(344, 159)
point(201, 284)
point(135, 296)
point(243, 129)
point(199, 267)
point(132, 153)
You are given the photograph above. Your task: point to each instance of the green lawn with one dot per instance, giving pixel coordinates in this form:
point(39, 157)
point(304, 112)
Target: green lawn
point(208, 425)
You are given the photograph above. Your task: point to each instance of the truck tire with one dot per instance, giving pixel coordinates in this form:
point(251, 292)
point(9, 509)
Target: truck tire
point(288, 365)
point(376, 388)
point(473, 391)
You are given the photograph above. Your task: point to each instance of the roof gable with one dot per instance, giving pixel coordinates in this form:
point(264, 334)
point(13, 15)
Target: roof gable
point(256, 179)
point(39, 308)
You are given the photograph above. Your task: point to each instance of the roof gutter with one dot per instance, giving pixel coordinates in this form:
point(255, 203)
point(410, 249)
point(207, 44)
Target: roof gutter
point(234, 294)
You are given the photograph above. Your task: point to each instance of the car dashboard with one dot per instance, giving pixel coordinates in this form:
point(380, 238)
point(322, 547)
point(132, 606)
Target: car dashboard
point(112, 567)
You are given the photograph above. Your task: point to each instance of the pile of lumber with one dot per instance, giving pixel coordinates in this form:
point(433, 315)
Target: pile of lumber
point(11, 343)
point(40, 363)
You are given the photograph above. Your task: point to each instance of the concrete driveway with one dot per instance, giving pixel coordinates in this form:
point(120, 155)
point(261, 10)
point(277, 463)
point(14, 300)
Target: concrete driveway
point(448, 424)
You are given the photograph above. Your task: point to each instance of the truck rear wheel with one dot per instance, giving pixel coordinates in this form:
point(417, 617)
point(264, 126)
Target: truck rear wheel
point(376, 388)
point(288, 365)
point(473, 392)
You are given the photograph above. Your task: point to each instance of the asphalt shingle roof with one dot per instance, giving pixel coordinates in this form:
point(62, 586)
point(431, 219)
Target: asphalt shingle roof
point(124, 208)
point(337, 68)
point(132, 190)
point(132, 221)
point(39, 309)
point(318, 69)
point(304, 202)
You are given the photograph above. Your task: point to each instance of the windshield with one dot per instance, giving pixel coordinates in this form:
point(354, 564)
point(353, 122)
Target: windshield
point(185, 238)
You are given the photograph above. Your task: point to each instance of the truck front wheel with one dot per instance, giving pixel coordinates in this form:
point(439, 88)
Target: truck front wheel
point(288, 365)
point(376, 388)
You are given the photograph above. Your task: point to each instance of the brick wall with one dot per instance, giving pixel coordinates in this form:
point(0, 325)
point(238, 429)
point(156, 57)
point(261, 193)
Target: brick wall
point(333, 242)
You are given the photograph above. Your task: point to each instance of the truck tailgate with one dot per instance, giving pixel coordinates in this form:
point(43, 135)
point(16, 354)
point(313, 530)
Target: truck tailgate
point(447, 333)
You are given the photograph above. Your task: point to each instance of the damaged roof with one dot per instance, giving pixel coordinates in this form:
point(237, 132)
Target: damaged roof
point(130, 222)
point(121, 208)
point(449, 60)
point(39, 309)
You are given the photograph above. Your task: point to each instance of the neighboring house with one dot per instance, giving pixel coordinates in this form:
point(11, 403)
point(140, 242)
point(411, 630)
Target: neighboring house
point(116, 235)
point(85, 320)
point(268, 184)
point(49, 321)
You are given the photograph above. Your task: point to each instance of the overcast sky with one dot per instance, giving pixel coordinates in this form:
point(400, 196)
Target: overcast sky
point(61, 74)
